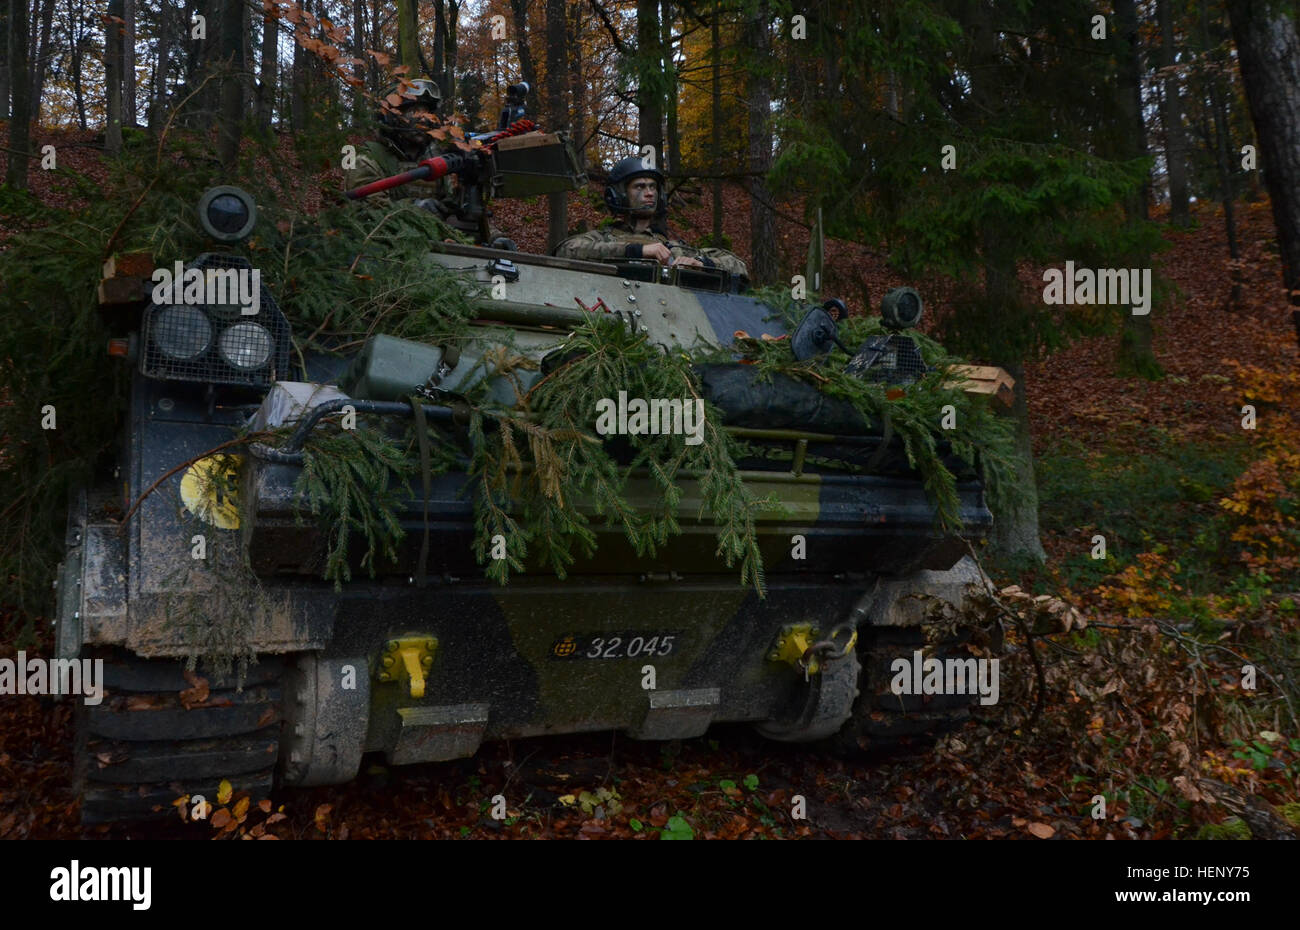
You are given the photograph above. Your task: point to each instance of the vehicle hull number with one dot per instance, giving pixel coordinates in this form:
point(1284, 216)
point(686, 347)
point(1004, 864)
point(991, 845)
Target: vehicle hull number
point(630, 644)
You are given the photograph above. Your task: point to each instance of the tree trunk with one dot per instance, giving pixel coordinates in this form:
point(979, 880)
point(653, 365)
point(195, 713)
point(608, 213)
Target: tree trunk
point(231, 50)
point(449, 52)
point(1171, 116)
point(650, 107)
point(201, 60)
point(1227, 190)
point(128, 62)
point(1268, 51)
point(1015, 532)
point(527, 70)
point(20, 91)
point(360, 112)
point(266, 86)
point(407, 30)
point(1015, 528)
point(43, 54)
point(577, 84)
point(1136, 355)
point(207, 54)
point(557, 113)
point(440, 40)
point(77, 50)
point(4, 60)
point(377, 37)
point(158, 93)
point(324, 89)
point(715, 121)
point(113, 78)
point(762, 221)
point(673, 142)
point(299, 115)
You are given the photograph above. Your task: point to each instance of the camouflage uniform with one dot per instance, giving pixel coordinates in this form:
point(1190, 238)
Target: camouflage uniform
point(618, 240)
point(377, 161)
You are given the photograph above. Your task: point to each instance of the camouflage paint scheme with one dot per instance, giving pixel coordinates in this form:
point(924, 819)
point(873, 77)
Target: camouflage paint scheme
point(504, 665)
point(377, 161)
point(608, 242)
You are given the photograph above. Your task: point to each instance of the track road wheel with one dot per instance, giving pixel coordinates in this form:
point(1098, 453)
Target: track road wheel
point(884, 722)
point(818, 710)
point(142, 748)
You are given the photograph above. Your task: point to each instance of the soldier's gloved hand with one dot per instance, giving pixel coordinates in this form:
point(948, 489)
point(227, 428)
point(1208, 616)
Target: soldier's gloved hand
point(433, 206)
point(688, 261)
point(658, 251)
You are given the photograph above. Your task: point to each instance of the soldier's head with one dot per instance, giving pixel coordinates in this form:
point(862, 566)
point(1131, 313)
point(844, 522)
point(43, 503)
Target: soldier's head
point(635, 190)
point(405, 126)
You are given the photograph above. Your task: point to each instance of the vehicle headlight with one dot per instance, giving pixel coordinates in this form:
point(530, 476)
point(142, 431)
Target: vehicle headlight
point(901, 308)
point(227, 214)
point(246, 346)
point(181, 332)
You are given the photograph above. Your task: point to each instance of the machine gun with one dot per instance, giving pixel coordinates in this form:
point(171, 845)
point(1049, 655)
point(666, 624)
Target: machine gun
point(515, 160)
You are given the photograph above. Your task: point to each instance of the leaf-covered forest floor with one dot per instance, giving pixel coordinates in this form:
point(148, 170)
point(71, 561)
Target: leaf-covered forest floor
point(1145, 707)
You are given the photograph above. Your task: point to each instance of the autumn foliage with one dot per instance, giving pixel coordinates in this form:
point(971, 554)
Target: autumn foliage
point(1266, 498)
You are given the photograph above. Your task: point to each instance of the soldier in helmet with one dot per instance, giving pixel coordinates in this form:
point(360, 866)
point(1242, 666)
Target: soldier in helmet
point(635, 194)
point(403, 142)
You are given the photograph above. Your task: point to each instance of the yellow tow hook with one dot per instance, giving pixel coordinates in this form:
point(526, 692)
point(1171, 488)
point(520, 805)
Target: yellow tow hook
point(827, 650)
point(798, 645)
point(416, 656)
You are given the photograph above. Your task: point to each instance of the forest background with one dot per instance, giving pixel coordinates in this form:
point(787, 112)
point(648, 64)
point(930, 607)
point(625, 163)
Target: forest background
point(961, 148)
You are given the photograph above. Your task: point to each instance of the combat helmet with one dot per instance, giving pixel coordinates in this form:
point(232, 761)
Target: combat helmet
point(626, 170)
point(402, 133)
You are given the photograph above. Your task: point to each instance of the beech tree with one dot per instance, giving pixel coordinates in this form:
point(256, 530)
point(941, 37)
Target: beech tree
point(557, 111)
point(113, 77)
point(20, 109)
point(762, 221)
point(1171, 118)
point(1268, 50)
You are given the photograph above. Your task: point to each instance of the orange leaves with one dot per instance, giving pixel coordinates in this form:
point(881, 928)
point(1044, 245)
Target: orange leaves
point(1146, 587)
point(1265, 498)
point(320, 37)
point(196, 694)
point(1043, 611)
point(232, 818)
point(321, 49)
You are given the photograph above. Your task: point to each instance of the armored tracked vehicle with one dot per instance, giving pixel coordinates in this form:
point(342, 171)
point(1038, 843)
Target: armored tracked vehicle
point(429, 659)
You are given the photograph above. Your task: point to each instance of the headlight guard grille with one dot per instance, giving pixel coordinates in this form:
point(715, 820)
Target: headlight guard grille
point(184, 342)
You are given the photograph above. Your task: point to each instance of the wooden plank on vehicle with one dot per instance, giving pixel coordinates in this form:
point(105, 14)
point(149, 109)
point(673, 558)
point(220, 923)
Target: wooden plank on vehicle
point(121, 291)
point(983, 379)
point(129, 265)
point(527, 140)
